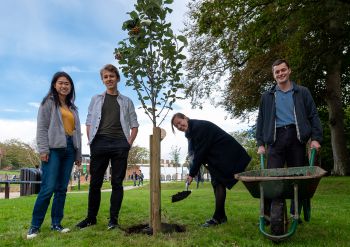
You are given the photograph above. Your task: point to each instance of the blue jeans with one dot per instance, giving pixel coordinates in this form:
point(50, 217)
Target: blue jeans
point(55, 177)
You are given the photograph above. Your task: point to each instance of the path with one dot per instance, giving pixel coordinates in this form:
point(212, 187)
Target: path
point(17, 194)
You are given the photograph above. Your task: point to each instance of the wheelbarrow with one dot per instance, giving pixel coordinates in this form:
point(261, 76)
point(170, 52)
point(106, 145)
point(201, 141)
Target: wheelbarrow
point(278, 184)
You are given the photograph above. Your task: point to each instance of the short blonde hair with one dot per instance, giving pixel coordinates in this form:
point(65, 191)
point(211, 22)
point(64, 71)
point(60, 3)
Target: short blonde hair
point(110, 68)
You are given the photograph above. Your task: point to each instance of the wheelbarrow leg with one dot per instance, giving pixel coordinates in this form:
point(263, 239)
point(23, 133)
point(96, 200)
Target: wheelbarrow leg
point(296, 203)
point(292, 229)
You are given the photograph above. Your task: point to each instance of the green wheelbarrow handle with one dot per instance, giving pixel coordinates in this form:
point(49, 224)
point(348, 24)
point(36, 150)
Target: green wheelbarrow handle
point(311, 161)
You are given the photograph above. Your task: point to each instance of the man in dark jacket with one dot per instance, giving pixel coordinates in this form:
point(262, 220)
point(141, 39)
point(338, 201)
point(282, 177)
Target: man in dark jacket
point(287, 120)
point(223, 155)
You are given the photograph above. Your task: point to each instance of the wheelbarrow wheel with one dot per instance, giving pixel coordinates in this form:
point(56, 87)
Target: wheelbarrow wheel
point(279, 221)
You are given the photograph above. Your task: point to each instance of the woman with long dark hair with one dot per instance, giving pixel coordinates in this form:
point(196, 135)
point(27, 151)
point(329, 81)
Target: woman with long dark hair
point(59, 144)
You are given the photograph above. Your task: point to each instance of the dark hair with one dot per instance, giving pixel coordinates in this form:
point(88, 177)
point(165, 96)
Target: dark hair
point(110, 68)
point(52, 92)
point(278, 62)
point(177, 115)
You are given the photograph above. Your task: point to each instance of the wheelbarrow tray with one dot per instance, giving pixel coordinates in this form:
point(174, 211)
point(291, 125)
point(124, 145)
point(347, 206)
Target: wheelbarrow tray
point(279, 182)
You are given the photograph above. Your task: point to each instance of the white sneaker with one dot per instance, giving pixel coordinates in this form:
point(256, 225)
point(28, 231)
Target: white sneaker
point(32, 233)
point(60, 228)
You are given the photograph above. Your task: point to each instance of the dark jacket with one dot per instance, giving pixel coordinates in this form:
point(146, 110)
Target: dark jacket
point(308, 124)
point(212, 146)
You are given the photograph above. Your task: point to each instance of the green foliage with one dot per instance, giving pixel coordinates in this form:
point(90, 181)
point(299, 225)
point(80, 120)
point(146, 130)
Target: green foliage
point(237, 41)
point(150, 57)
point(17, 154)
point(328, 225)
point(138, 155)
point(247, 139)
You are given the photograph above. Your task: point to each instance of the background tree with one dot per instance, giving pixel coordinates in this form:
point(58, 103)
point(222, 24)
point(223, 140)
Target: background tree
point(138, 155)
point(238, 40)
point(326, 161)
point(175, 158)
point(17, 154)
point(247, 139)
point(151, 57)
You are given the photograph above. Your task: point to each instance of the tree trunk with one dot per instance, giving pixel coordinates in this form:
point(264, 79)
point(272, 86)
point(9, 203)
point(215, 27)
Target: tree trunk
point(155, 190)
point(336, 118)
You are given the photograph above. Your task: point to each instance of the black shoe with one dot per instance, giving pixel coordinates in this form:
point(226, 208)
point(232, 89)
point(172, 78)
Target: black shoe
point(113, 223)
point(59, 228)
point(32, 232)
point(214, 222)
point(85, 223)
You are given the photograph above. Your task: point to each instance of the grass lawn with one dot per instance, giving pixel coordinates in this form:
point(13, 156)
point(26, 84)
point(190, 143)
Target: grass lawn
point(11, 172)
point(329, 225)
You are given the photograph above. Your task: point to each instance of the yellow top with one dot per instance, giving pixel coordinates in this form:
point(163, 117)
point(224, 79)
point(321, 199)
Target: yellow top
point(68, 121)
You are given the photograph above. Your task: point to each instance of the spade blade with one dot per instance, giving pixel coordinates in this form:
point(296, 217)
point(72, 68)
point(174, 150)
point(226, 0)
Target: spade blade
point(180, 196)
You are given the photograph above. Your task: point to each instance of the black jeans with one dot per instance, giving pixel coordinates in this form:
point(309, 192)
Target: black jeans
point(287, 150)
point(104, 150)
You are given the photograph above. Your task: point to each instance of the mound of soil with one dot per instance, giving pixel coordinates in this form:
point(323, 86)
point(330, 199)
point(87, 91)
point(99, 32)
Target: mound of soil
point(146, 229)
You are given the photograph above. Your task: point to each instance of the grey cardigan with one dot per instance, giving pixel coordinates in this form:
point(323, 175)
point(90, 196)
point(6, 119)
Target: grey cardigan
point(50, 131)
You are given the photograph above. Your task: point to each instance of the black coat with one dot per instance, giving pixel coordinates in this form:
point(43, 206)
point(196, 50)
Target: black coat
point(209, 144)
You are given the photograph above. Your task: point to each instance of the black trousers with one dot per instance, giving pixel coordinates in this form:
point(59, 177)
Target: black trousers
point(104, 150)
point(287, 150)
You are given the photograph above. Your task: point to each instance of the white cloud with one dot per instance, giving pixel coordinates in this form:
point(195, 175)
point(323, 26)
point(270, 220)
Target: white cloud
point(15, 129)
point(9, 110)
point(26, 130)
point(209, 112)
point(34, 104)
point(69, 69)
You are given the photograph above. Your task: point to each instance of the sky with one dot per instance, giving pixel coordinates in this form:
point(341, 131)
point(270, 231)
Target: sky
point(41, 37)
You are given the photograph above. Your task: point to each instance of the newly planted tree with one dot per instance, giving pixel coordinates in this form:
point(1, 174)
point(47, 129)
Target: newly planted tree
point(151, 60)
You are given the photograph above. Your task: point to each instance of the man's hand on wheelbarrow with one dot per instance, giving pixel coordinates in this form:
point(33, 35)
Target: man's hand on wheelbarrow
point(315, 144)
point(261, 149)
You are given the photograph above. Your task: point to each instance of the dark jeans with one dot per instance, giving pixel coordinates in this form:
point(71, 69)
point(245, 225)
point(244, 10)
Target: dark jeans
point(104, 150)
point(55, 177)
point(288, 150)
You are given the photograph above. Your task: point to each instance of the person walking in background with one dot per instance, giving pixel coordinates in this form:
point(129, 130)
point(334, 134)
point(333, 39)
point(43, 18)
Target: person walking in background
point(219, 151)
point(110, 118)
point(134, 177)
point(141, 176)
point(59, 144)
point(286, 121)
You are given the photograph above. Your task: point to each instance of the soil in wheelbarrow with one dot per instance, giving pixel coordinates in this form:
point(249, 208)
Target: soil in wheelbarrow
point(146, 229)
